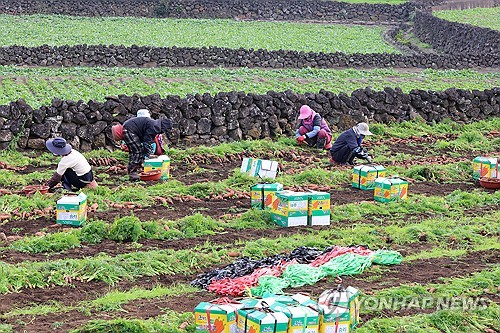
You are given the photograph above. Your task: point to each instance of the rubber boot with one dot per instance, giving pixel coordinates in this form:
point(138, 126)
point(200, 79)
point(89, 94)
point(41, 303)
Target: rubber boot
point(132, 174)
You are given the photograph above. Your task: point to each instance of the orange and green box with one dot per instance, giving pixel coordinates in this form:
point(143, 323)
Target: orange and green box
point(390, 189)
point(290, 208)
point(216, 318)
point(158, 163)
point(263, 195)
point(339, 310)
point(484, 167)
point(318, 208)
point(257, 321)
point(363, 176)
point(72, 210)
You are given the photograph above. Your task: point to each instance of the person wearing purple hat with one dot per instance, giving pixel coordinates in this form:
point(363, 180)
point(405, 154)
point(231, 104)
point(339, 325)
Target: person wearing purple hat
point(313, 129)
point(73, 170)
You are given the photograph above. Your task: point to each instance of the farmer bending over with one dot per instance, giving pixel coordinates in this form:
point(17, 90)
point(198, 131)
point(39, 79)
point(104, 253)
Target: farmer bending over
point(138, 134)
point(348, 145)
point(313, 129)
point(73, 169)
point(158, 142)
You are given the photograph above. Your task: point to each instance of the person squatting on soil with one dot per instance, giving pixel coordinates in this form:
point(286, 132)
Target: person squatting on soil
point(73, 169)
point(348, 145)
point(158, 143)
point(313, 129)
point(138, 134)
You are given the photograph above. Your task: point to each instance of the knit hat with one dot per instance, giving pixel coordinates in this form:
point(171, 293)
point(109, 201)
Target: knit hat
point(305, 112)
point(117, 131)
point(58, 146)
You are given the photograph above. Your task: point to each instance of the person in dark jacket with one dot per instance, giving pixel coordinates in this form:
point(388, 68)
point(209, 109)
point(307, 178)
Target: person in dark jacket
point(348, 145)
point(313, 129)
point(138, 134)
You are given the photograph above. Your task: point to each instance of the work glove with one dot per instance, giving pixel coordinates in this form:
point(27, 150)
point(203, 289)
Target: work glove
point(369, 159)
point(301, 139)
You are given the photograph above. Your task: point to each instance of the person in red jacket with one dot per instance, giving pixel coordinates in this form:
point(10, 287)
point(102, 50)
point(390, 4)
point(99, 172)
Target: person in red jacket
point(313, 129)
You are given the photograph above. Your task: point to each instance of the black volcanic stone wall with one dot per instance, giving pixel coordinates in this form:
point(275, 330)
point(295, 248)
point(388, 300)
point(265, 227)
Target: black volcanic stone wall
point(456, 38)
point(121, 56)
point(211, 119)
point(289, 10)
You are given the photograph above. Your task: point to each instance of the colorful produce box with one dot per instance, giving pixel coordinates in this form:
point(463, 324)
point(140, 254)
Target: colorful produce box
point(216, 318)
point(485, 167)
point(260, 320)
point(263, 195)
point(290, 208)
point(319, 208)
point(161, 162)
point(390, 189)
point(301, 318)
point(72, 210)
point(363, 176)
point(259, 168)
point(340, 310)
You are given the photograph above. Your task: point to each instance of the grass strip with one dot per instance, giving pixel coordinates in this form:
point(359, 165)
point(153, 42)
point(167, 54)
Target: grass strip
point(38, 86)
point(481, 17)
point(59, 30)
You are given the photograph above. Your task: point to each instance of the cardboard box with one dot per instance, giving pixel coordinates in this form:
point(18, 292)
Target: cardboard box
point(485, 167)
point(260, 320)
point(259, 168)
point(363, 176)
point(290, 208)
point(72, 210)
point(161, 162)
point(318, 208)
point(263, 195)
point(222, 317)
point(301, 318)
point(390, 189)
point(339, 309)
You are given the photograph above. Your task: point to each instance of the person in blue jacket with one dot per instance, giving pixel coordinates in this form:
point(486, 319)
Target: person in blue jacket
point(348, 145)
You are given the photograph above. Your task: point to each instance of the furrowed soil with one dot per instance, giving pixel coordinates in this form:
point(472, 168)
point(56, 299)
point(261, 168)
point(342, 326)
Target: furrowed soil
point(415, 272)
point(199, 169)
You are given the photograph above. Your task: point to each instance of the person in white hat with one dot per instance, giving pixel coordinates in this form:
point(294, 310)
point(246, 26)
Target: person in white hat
point(73, 170)
point(348, 145)
point(313, 129)
point(143, 113)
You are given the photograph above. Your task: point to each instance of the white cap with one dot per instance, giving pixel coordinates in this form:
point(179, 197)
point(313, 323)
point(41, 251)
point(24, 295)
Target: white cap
point(143, 113)
point(363, 129)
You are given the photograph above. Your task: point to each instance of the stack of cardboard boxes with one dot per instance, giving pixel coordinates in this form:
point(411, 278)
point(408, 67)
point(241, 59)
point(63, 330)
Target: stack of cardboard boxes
point(373, 177)
point(337, 311)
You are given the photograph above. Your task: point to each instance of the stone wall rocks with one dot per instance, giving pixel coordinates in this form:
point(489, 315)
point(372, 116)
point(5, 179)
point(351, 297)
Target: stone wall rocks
point(289, 10)
point(456, 38)
point(207, 119)
point(144, 56)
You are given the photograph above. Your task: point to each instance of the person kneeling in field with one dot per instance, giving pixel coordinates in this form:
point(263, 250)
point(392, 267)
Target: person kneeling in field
point(313, 129)
point(348, 145)
point(138, 134)
point(73, 170)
